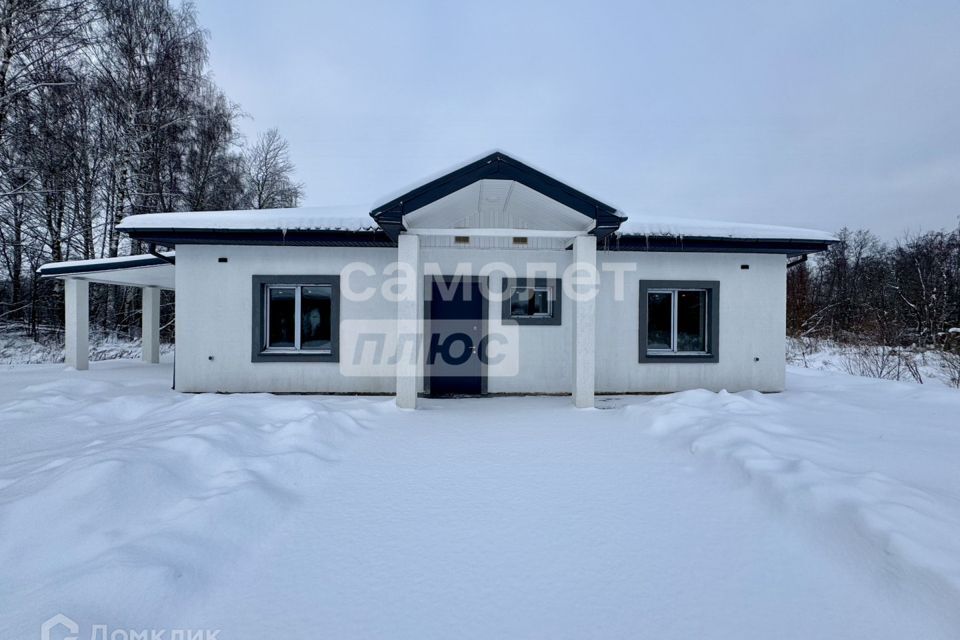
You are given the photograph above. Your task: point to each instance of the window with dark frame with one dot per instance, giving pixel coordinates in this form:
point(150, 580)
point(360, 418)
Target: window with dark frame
point(679, 321)
point(296, 317)
point(532, 301)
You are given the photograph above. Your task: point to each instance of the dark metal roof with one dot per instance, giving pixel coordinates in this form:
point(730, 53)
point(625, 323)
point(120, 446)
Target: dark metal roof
point(496, 166)
point(310, 238)
point(363, 239)
point(713, 245)
point(83, 266)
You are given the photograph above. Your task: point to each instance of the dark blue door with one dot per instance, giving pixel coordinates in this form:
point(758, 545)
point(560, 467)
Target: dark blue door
point(457, 313)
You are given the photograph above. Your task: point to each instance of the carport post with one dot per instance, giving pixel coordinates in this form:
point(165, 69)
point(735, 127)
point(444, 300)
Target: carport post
point(76, 343)
point(150, 341)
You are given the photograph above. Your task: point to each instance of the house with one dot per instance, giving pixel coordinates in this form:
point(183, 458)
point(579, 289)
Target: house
point(493, 278)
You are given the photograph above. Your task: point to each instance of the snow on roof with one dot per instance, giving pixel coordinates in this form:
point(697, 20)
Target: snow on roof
point(692, 228)
point(649, 225)
point(143, 270)
point(357, 218)
point(347, 218)
point(105, 264)
point(397, 193)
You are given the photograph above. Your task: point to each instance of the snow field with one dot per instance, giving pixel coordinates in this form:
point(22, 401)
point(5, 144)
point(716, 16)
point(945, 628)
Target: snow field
point(826, 511)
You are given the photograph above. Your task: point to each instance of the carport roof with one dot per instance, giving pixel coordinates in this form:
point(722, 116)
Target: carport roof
point(131, 271)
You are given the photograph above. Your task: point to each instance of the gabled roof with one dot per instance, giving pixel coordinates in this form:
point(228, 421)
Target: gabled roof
point(495, 166)
point(361, 227)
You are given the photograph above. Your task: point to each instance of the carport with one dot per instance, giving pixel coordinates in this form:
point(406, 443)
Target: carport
point(150, 273)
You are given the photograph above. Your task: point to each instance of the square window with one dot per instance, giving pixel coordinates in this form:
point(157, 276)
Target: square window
point(679, 321)
point(295, 318)
point(532, 301)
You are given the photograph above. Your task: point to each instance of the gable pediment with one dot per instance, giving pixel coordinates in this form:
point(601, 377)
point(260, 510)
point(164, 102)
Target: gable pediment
point(496, 191)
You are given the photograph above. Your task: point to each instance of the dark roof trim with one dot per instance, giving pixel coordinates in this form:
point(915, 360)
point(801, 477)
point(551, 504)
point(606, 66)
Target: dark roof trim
point(496, 166)
point(714, 245)
point(315, 238)
point(69, 269)
point(172, 237)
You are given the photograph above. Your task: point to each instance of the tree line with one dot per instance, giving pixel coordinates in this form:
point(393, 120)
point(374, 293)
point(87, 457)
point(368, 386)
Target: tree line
point(884, 302)
point(108, 109)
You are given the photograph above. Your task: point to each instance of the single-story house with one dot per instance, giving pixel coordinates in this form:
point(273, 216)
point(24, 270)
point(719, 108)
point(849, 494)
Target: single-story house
point(493, 278)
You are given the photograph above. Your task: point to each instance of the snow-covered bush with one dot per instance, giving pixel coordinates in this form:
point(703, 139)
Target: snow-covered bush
point(880, 361)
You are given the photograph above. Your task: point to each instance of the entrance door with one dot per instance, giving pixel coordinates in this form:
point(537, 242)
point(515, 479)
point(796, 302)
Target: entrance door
point(457, 326)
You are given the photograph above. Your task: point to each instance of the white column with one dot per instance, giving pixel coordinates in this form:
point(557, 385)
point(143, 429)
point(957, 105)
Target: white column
point(76, 343)
point(584, 290)
point(150, 341)
point(409, 322)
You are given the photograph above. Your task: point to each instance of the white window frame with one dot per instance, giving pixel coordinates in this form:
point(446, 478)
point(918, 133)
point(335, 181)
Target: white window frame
point(550, 297)
point(674, 297)
point(296, 319)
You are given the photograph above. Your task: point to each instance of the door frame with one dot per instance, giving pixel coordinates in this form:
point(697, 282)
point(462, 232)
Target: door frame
point(427, 318)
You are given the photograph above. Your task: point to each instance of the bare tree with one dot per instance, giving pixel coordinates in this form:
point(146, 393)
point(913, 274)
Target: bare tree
point(34, 34)
point(270, 173)
point(150, 62)
point(214, 165)
point(108, 109)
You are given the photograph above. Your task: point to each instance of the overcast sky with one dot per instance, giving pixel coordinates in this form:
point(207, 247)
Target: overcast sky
point(819, 114)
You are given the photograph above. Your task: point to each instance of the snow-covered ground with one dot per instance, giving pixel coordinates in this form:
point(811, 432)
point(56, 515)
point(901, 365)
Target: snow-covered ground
point(829, 511)
point(16, 347)
point(875, 361)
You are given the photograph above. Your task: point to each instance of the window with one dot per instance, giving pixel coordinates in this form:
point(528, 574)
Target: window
point(532, 301)
point(296, 317)
point(678, 321)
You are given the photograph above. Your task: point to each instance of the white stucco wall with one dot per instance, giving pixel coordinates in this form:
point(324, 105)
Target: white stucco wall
point(752, 324)
point(214, 320)
point(215, 310)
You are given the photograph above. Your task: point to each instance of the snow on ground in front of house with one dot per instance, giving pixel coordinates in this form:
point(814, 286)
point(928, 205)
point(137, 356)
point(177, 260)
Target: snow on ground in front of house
point(828, 511)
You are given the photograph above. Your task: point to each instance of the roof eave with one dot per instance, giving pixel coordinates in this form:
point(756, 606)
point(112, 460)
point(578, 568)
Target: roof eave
point(786, 246)
point(298, 237)
point(67, 269)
